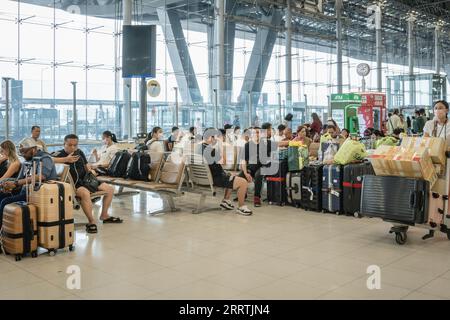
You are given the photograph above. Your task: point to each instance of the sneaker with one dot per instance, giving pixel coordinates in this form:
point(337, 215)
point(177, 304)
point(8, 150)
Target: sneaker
point(227, 205)
point(257, 201)
point(244, 211)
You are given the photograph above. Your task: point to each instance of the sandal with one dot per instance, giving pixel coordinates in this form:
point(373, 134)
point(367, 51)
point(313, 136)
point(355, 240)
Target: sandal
point(91, 228)
point(113, 220)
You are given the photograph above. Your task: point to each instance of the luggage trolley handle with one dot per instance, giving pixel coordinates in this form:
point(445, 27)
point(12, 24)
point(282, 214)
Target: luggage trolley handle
point(33, 177)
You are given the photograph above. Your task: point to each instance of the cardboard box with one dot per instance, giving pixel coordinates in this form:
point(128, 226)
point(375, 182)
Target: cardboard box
point(435, 146)
point(401, 162)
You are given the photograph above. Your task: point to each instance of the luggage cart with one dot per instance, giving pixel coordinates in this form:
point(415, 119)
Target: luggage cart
point(442, 187)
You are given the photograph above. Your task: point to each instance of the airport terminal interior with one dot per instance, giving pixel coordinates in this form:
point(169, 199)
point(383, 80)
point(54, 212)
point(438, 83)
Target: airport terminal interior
point(224, 149)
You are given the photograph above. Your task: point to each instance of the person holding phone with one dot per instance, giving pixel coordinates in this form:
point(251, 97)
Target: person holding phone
point(79, 169)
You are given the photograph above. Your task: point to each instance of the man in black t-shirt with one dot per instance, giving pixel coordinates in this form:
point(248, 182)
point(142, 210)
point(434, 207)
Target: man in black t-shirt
point(257, 155)
point(79, 167)
point(213, 156)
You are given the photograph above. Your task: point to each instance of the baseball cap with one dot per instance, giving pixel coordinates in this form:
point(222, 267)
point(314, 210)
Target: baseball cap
point(27, 143)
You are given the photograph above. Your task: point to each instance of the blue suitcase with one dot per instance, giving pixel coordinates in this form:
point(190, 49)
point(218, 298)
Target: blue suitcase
point(332, 193)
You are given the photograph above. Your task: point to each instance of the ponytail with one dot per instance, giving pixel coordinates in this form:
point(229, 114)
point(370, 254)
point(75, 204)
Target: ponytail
point(113, 138)
point(154, 131)
point(110, 135)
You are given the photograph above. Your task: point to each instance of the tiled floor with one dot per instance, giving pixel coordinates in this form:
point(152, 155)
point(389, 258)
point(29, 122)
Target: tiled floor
point(278, 253)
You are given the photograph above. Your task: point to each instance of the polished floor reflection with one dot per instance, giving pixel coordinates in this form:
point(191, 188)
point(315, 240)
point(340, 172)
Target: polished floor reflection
point(278, 253)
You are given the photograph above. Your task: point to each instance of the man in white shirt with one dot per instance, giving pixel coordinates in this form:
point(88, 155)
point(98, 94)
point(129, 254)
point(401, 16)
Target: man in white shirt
point(35, 134)
point(279, 136)
point(394, 122)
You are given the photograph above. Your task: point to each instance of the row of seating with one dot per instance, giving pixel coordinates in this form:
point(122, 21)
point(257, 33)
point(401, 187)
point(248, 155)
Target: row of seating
point(171, 175)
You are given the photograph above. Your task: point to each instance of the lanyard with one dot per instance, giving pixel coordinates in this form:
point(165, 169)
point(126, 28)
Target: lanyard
point(444, 127)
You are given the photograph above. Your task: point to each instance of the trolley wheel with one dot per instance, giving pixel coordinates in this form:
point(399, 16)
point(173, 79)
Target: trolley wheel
point(448, 235)
point(52, 253)
point(71, 248)
point(357, 215)
point(337, 213)
point(34, 254)
point(18, 257)
point(401, 237)
point(270, 202)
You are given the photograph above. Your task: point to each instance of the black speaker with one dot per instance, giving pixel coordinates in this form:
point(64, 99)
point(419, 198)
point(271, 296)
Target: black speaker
point(139, 52)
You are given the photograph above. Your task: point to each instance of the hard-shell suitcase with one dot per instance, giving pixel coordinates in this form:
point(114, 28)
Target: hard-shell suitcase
point(55, 215)
point(276, 185)
point(352, 184)
point(312, 187)
point(294, 188)
point(436, 209)
point(54, 201)
point(332, 188)
point(396, 199)
point(19, 230)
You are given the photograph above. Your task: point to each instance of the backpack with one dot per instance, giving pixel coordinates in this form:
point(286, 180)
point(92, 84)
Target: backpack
point(119, 163)
point(139, 166)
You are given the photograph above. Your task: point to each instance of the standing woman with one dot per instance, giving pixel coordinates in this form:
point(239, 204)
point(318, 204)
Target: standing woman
point(9, 160)
point(316, 125)
point(439, 126)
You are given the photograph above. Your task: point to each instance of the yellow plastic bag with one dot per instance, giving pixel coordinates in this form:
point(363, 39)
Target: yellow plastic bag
point(326, 137)
point(349, 152)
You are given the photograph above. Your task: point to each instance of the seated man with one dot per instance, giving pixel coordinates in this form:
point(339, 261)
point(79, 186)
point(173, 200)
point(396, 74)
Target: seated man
point(74, 157)
point(212, 154)
point(257, 155)
point(28, 148)
point(35, 134)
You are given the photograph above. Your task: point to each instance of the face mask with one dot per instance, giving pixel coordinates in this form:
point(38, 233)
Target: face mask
point(440, 113)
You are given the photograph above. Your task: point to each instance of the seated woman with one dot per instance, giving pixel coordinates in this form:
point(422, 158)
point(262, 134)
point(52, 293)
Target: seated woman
point(155, 141)
point(345, 134)
point(211, 153)
point(104, 156)
point(302, 135)
point(9, 160)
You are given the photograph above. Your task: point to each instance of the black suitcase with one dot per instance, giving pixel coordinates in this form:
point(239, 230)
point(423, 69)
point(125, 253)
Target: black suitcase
point(139, 166)
point(395, 199)
point(119, 164)
point(294, 188)
point(352, 184)
point(312, 187)
point(332, 188)
point(276, 185)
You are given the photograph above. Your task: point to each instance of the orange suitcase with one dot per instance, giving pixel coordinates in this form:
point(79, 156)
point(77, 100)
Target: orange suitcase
point(19, 230)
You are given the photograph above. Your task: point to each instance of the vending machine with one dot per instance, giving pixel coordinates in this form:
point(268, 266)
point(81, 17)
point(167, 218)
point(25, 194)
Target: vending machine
point(359, 111)
point(372, 112)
